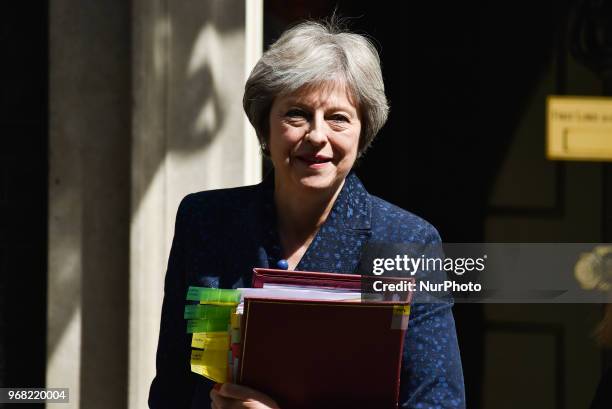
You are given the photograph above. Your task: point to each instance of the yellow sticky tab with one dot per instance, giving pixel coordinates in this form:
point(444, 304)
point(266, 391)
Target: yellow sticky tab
point(217, 359)
point(217, 341)
point(197, 340)
point(401, 310)
point(222, 303)
point(212, 373)
point(235, 320)
point(211, 364)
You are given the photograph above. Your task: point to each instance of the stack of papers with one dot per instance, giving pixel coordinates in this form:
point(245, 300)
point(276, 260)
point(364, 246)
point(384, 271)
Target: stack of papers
point(215, 322)
point(292, 292)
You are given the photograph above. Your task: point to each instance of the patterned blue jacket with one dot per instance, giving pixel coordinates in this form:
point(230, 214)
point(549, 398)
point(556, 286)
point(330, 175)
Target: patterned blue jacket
point(221, 235)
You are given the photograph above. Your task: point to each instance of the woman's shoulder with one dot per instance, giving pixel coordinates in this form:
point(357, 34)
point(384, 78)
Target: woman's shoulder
point(396, 224)
point(214, 196)
point(229, 200)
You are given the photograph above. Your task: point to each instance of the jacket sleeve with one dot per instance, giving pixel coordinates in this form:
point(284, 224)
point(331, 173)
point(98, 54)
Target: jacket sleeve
point(174, 384)
point(431, 375)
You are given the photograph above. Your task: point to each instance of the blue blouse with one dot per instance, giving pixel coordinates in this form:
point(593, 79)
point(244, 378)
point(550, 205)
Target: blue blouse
point(220, 235)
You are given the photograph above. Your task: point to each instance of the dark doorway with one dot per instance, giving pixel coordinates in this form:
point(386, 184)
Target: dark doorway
point(457, 76)
point(23, 195)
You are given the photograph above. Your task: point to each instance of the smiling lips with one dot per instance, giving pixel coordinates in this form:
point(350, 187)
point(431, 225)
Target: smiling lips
point(314, 161)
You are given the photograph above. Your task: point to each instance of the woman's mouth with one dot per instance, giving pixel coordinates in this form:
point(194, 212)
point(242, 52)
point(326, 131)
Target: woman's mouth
point(314, 161)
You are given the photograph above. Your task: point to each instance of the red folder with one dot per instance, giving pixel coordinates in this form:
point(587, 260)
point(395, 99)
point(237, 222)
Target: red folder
point(322, 354)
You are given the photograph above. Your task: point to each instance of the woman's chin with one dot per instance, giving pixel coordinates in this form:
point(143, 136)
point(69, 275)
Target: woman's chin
point(319, 182)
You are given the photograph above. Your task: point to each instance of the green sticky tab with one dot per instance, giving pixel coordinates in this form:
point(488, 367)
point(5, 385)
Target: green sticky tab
point(206, 325)
point(213, 295)
point(190, 312)
point(208, 311)
point(193, 293)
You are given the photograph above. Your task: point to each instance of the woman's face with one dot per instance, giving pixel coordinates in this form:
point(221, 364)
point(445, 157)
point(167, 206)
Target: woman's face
point(314, 136)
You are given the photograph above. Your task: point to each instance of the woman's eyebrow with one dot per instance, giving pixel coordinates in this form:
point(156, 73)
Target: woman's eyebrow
point(344, 108)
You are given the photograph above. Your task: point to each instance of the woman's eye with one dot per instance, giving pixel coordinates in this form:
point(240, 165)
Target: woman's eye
point(296, 113)
point(339, 118)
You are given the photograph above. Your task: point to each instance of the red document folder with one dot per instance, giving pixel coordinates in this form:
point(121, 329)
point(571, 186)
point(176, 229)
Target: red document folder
point(322, 354)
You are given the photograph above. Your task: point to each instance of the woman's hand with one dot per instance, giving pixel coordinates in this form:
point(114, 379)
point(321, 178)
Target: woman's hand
point(232, 396)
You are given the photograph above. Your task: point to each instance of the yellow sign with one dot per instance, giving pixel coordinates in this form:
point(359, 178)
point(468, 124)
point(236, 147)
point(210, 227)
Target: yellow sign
point(579, 128)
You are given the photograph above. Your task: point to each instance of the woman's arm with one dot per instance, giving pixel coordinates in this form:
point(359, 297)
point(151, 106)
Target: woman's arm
point(432, 375)
point(174, 384)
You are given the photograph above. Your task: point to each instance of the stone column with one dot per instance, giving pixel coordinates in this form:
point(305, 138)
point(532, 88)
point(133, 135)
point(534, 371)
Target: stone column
point(89, 144)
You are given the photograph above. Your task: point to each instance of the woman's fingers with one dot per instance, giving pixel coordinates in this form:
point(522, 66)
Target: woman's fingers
point(229, 393)
point(231, 390)
point(222, 402)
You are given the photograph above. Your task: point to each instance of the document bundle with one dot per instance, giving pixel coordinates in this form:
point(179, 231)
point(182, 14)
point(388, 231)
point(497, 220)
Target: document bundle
point(306, 339)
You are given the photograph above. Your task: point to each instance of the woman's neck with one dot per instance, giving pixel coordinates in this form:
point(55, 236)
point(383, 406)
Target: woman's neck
point(300, 213)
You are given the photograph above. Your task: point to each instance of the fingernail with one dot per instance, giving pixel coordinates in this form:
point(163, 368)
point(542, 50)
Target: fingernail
point(217, 386)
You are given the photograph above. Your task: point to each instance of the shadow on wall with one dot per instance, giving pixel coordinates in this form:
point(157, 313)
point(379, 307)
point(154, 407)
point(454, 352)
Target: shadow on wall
point(187, 106)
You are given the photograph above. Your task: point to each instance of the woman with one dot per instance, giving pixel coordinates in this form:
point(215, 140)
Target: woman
point(316, 99)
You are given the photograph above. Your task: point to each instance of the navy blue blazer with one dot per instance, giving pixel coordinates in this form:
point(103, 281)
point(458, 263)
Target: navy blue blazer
point(221, 235)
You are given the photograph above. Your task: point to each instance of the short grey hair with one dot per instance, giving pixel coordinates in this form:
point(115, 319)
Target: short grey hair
point(310, 54)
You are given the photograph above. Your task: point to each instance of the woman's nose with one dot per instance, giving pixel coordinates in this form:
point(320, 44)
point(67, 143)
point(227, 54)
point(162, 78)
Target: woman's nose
point(316, 134)
point(315, 137)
